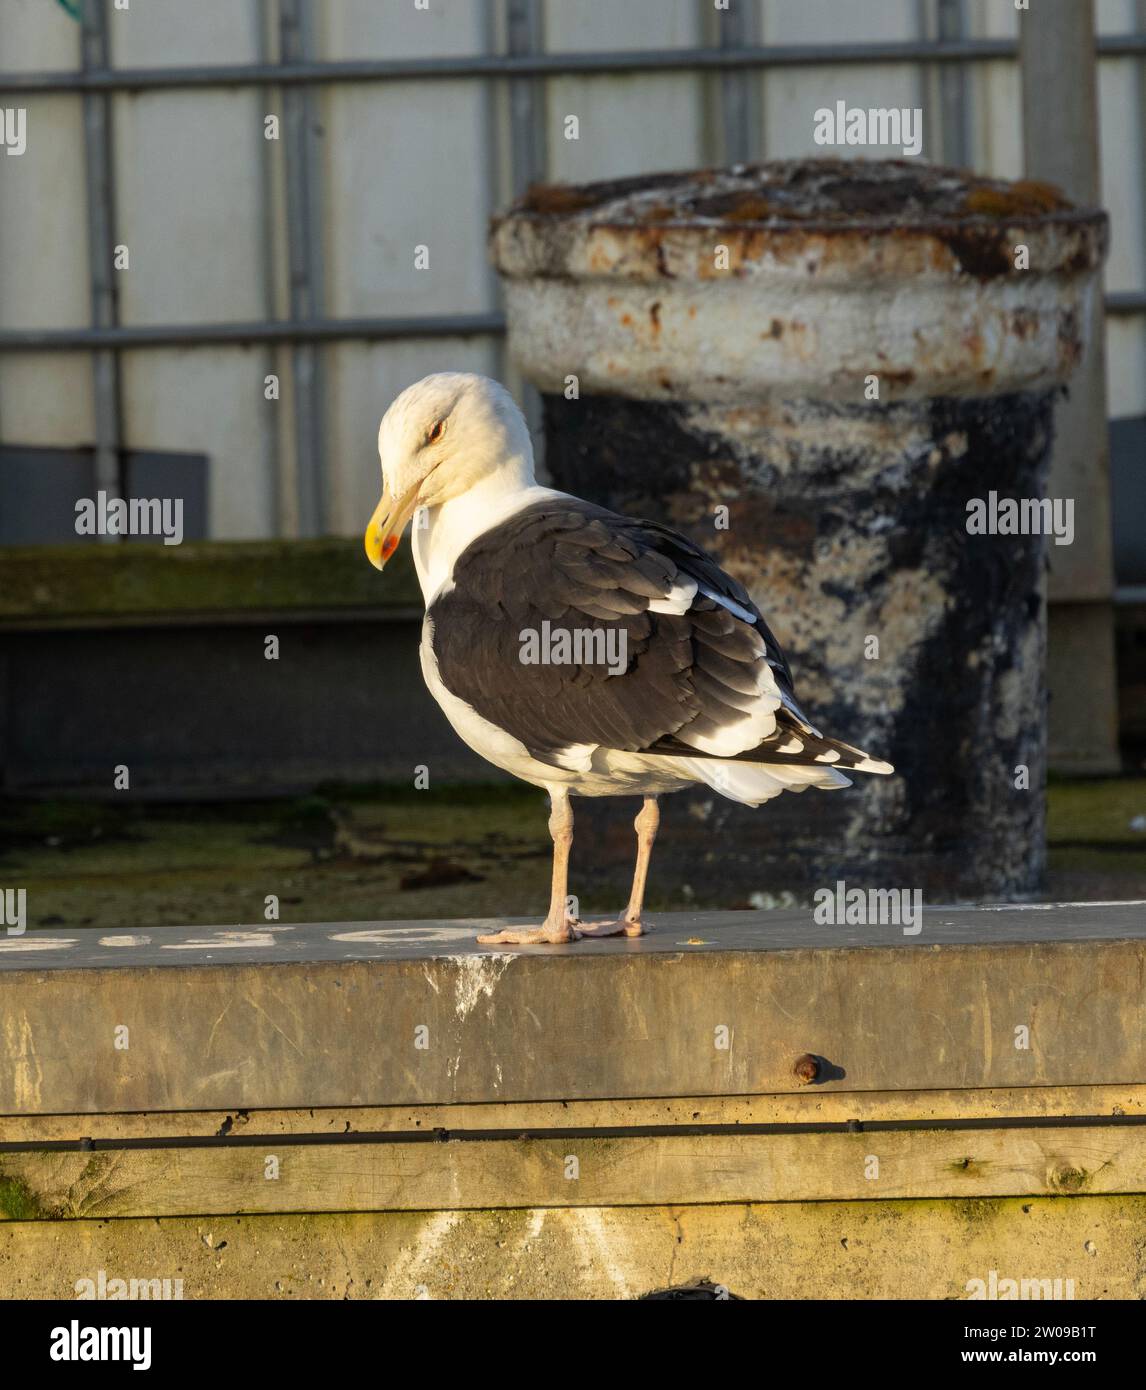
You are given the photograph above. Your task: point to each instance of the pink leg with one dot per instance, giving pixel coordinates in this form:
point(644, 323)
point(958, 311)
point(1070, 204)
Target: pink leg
point(558, 926)
point(646, 824)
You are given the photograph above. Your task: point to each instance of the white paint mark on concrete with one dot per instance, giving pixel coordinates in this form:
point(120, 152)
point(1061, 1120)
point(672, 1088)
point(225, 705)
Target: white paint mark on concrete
point(224, 940)
point(419, 1263)
point(125, 941)
point(407, 936)
point(28, 943)
point(588, 1231)
point(27, 1073)
point(477, 976)
point(1049, 907)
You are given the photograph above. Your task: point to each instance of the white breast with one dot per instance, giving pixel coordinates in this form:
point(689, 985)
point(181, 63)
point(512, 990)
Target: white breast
point(486, 739)
point(441, 534)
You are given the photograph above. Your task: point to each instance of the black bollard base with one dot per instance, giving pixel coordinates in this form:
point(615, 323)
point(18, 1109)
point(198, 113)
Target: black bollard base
point(908, 635)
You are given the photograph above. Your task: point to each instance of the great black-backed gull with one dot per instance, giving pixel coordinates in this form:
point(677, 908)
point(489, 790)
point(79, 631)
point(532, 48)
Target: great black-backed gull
point(586, 652)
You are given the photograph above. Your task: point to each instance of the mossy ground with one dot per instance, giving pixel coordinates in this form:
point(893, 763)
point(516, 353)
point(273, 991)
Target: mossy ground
point(386, 853)
point(365, 854)
point(1096, 831)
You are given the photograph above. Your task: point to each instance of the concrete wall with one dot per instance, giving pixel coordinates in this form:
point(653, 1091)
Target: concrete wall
point(200, 202)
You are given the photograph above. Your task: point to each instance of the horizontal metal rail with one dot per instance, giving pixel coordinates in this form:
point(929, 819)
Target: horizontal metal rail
point(1119, 302)
point(268, 331)
point(314, 330)
point(542, 64)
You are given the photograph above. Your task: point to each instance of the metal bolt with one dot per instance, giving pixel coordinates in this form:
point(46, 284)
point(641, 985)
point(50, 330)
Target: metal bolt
point(807, 1069)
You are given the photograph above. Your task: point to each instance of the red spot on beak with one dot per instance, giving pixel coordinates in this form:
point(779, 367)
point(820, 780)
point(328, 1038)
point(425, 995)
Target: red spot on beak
point(389, 545)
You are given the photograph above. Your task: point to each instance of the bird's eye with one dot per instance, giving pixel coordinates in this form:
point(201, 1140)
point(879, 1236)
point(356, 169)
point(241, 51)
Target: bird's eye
point(436, 433)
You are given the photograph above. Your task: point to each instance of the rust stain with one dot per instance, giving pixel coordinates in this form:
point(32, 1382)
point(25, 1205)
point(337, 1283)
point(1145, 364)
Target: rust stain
point(895, 217)
point(1020, 199)
point(972, 341)
point(799, 190)
point(1023, 323)
point(548, 198)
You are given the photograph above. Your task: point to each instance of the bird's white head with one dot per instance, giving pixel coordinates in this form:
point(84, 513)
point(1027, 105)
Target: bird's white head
point(441, 437)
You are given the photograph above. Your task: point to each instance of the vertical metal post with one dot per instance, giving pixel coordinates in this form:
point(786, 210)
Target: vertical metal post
point(272, 431)
point(99, 178)
point(1140, 27)
point(493, 150)
point(1060, 145)
point(528, 144)
point(529, 161)
point(305, 274)
point(944, 86)
point(952, 77)
point(739, 91)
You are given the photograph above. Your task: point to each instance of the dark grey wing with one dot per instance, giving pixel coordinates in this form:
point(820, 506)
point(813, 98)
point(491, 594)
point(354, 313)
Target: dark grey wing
point(701, 675)
point(717, 584)
point(794, 739)
point(572, 567)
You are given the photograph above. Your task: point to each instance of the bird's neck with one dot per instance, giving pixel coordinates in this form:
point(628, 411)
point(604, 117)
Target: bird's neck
point(441, 533)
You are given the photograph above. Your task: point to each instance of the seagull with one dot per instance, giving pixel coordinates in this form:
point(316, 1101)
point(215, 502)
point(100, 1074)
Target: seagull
point(585, 652)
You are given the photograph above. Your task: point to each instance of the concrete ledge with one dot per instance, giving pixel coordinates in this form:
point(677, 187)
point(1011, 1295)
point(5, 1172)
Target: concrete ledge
point(84, 585)
point(170, 641)
point(715, 1004)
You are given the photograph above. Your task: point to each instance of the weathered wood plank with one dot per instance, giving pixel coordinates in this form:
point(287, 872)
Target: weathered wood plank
point(573, 1171)
point(844, 1250)
point(810, 1106)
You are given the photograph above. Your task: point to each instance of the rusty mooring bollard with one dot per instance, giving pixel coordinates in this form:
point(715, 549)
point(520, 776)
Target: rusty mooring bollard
point(826, 372)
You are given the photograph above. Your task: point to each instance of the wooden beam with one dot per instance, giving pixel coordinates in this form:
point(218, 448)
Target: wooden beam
point(808, 1107)
point(572, 1171)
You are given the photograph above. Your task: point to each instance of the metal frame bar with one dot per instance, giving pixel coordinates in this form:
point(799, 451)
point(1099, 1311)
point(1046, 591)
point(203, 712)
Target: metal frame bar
point(99, 180)
point(1140, 20)
point(1118, 303)
point(951, 18)
point(543, 64)
point(264, 23)
point(305, 275)
point(528, 153)
point(282, 331)
point(521, 65)
point(524, 22)
point(739, 113)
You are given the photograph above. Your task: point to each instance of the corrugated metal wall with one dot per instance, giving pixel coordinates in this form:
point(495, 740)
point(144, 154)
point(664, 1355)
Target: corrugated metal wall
point(224, 226)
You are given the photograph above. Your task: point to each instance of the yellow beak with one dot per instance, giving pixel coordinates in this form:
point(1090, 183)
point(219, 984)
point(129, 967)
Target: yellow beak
point(388, 523)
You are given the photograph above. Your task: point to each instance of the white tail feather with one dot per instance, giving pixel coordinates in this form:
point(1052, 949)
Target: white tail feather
point(753, 783)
